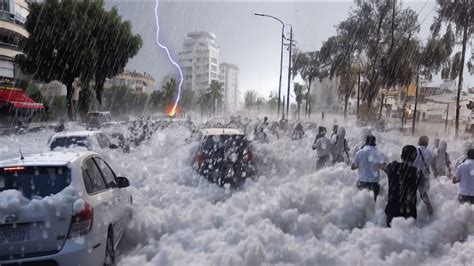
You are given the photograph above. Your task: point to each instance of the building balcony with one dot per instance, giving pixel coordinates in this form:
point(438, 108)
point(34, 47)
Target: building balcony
point(10, 25)
point(9, 50)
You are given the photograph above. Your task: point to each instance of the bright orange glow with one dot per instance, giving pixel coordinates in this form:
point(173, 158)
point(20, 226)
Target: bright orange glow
point(172, 110)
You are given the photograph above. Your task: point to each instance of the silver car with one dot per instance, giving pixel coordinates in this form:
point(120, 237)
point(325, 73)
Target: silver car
point(61, 209)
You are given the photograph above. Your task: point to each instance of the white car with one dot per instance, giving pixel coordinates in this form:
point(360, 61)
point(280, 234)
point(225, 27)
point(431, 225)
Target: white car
point(91, 140)
point(61, 209)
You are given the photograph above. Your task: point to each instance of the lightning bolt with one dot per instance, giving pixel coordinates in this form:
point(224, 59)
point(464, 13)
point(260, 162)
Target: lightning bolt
point(162, 46)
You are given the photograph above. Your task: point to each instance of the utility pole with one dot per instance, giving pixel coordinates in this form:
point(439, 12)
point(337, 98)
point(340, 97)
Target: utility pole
point(289, 75)
point(358, 95)
point(283, 110)
point(446, 122)
point(381, 105)
point(416, 100)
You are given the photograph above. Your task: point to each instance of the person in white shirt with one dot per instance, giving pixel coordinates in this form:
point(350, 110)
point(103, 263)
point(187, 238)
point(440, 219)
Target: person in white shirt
point(363, 135)
point(461, 159)
point(424, 161)
point(322, 145)
point(465, 177)
point(368, 161)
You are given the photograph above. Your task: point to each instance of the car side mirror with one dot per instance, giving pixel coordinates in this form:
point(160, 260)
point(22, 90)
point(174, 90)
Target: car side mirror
point(113, 146)
point(123, 182)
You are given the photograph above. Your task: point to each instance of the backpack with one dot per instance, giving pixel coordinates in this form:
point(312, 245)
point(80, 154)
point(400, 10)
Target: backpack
point(423, 160)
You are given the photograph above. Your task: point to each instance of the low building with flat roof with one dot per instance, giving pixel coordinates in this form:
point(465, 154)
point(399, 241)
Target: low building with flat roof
point(139, 83)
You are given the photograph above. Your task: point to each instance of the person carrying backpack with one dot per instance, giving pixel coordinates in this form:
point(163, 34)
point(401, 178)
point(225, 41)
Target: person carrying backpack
point(441, 161)
point(339, 146)
point(403, 181)
point(322, 145)
point(424, 160)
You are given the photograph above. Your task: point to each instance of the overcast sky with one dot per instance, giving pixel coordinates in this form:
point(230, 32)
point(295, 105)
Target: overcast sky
point(251, 42)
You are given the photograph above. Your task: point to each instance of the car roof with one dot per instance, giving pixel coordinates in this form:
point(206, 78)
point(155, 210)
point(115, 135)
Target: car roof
point(221, 131)
point(85, 133)
point(98, 112)
point(47, 159)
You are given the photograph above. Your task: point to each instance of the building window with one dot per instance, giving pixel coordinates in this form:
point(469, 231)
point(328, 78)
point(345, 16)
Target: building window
point(7, 69)
point(214, 60)
point(21, 13)
point(5, 5)
point(213, 68)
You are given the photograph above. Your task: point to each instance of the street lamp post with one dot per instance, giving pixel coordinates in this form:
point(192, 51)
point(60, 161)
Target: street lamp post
point(289, 74)
point(281, 55)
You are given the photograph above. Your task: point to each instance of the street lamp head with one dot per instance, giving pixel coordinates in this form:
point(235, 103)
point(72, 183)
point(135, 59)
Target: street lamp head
point(259, 14)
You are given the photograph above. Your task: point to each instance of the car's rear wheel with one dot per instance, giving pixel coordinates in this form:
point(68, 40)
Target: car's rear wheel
point(109, 250)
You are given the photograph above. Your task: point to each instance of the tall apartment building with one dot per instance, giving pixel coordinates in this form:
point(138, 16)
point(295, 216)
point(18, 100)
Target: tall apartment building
point(13, 15)
point(199, 60)
point(138, 82)
point(229, 77)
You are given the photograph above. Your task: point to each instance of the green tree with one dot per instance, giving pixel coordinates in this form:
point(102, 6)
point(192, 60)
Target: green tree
point(272, 101)
point(187, 99)
point(115, 44)
point(250, 99)
point(34, 93)
point(204, 101)
point(156, 100)
point(461, 15)
point(169, 90)
point(309, 66)
point(384, 33)
point(118, 99)
point(86, 97)
point(70, 39)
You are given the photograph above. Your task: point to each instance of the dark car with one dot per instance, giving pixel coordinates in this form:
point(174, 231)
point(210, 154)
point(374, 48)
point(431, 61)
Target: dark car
point(96, 119)
point(224, 157)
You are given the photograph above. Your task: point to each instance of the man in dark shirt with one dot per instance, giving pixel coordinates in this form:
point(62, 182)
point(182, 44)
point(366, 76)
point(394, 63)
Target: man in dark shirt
point(403, 181)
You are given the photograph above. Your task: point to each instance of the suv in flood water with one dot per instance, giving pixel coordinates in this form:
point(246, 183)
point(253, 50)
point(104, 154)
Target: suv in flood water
point(224, 156)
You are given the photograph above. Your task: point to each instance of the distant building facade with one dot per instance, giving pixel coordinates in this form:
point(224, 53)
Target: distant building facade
point(199, 60)
point(138, 82)
point(229, 77)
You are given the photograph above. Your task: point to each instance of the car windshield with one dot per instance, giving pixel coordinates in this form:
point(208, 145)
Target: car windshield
point(69, 142)
point(35, 181)
point(94, 118)
point(216, 146)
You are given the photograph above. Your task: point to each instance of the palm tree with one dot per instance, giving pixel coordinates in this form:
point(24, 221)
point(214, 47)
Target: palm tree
point(461, 15)
point(169, 90)
point(204, 101)
point(299, 95)
point(215, 93)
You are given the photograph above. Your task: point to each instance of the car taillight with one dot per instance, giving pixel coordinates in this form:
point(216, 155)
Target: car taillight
point(248, 157)
point(200, 158)
point(81, 222)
